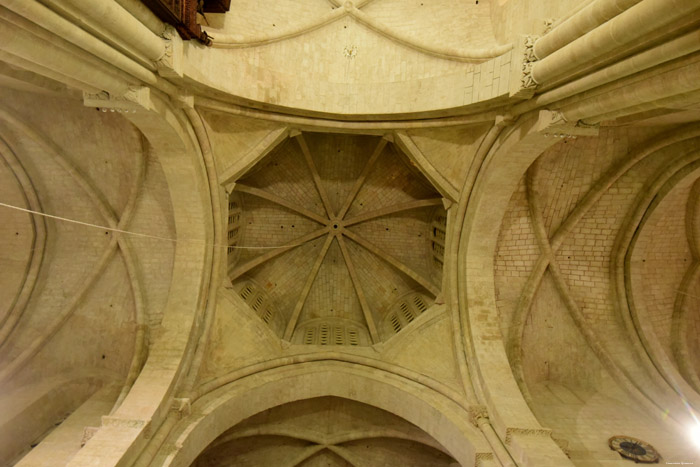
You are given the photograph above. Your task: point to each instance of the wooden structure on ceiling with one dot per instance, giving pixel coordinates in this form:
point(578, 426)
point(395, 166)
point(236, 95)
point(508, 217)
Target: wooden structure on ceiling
point(182, 14)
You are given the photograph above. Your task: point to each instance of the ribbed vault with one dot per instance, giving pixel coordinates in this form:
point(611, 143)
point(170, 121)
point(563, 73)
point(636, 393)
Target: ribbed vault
point(326, 431)
point(332, 240)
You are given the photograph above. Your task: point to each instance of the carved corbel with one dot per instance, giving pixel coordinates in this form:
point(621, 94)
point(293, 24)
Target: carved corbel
point(170, 65)
point(128, 423)
point(182, 407)
point(478, 414)
point(554, 124)
point(137, 98)
point(548, 25)
point(88, 433)
point(591, 128)
point(514, 432)
point(523, 84)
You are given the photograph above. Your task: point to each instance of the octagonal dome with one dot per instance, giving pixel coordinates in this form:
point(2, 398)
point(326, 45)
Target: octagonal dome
point(336, 239)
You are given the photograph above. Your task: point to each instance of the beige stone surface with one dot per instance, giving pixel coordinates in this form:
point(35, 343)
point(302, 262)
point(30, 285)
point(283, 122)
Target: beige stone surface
point(380, 232)
point(325, 431)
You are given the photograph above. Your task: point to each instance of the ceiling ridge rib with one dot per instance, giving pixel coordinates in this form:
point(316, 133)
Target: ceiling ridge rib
point(344, 454)
point(254, 155)
point(307, 453)
point(366, 311)
point(242, 269)
point(393, 209)
point(362, 178)
point(297, 433)
point(314, 173)
point(266, 195)
point(292, 324)
point(430, 287)
point(425, 166)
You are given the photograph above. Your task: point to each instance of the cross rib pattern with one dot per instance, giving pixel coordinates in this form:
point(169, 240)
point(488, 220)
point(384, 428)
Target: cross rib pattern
point(333, 225)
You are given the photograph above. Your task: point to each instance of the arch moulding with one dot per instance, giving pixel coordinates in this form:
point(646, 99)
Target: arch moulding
point(214, 413)
point(126, 431)
point(480, 213)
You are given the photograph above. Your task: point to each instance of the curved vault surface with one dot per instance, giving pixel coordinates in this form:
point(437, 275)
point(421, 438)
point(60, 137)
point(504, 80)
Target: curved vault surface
point(336, 239)
point(326, 431)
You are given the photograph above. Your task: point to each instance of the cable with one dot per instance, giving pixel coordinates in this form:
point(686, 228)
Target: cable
point(138, 234)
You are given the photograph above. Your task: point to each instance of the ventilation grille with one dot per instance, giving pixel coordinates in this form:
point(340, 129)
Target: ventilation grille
point(246, 291)
point(257, 300)
point(309, 335)
point(326, 333)
point(419, 304)
point(323, 334)
point(437, 239)
point(405, 311)
point(353, 336)
point(395, 322)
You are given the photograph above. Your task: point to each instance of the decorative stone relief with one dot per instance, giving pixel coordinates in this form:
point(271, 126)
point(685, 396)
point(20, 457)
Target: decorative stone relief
point(181, 406)
point(548, 25)
point(557, 126)
point(170, 65)
point(477, 413)
point(528, 59)
point(350, 51)
point(523, 84)
point(137, 98)
point(593, 127)
point(540, 432)
point(88, 433)
point(128, 423)
point(108, 420)
point(484, 458)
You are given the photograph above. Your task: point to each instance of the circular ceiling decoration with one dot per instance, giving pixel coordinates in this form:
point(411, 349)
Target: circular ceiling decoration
point(336, 240)
point(634, 449)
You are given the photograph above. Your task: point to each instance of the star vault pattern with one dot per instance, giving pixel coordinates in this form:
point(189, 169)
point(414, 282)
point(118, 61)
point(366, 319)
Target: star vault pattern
point(334, 228)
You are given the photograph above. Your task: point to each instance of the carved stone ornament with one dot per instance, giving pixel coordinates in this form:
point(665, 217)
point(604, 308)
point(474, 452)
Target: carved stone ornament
point(522, 84)
point(477, 414)
point(137, 98)
point(88, 433)
point(528, 59)
point(181, 406)
point(594, 126)
point(548, 25)
point(556, 125)
point(634, 449)
point(170, 65)
point(538, 432)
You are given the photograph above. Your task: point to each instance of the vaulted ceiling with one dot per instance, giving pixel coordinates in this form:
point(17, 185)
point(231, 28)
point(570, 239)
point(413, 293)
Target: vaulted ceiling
point(431, 232)
point(333, 239)
point(321, 432)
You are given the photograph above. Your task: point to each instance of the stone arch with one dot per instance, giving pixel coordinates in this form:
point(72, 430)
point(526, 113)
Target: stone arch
point(683, 379)
point(508, 151)
point(437, 415)
point(172, 138)
point(514, 150)
point(501, 171)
